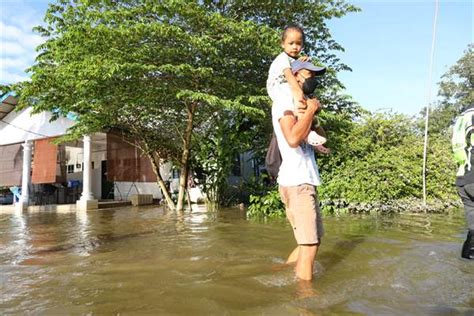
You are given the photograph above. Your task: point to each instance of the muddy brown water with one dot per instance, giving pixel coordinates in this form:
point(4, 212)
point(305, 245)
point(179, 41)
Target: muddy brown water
point(151, 261)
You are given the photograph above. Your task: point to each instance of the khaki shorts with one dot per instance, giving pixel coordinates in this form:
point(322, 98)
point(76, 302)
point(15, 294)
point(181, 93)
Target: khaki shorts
point(303, 213)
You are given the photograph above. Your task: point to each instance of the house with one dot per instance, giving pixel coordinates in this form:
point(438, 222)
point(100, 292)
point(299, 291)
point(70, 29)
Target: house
point(97, 168)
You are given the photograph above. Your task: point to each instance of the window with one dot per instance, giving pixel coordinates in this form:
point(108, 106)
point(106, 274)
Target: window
point(236, 166)
point(70, 168)
point(175, 173)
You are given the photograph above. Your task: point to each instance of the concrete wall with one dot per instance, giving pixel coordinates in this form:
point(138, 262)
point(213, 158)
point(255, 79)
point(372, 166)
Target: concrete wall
point(123, 190)
point(75, 156)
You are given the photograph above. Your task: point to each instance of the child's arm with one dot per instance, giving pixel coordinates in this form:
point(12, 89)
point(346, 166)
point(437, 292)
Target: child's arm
point(295, 87)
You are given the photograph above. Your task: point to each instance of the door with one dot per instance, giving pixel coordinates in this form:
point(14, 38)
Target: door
point(107, 186)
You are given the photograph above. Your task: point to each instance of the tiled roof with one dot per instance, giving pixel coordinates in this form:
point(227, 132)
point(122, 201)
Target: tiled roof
point(8, 103)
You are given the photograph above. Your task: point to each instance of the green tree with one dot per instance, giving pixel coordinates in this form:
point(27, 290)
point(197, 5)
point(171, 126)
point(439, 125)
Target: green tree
point(154, 71)
point(376, 157)
point(227, 134)
point(456, 92)
point(312, 16)
point(157, 71)
point(457, 85)
point(379, 159)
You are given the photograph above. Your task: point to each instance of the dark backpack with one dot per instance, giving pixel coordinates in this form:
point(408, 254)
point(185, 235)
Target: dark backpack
point(273, 157)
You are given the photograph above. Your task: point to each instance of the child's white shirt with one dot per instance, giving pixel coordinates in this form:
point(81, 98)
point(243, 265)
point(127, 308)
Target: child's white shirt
point(276, 78)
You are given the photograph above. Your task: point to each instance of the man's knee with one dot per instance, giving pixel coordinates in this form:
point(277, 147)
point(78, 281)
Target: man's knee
point(308, 251)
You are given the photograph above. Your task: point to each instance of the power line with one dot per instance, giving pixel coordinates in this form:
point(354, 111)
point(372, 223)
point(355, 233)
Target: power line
point(25, 130)
point(425, 148)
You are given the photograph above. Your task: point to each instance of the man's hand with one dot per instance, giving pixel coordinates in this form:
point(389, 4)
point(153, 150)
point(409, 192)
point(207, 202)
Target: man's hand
point(313, 105)
point(302, 107)
point(304, 58)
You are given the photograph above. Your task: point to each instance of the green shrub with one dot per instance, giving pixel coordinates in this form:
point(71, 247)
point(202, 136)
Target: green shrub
point(267, 205)
point(375, 158)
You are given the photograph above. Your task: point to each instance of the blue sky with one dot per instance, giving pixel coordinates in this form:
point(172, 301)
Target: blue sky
point(387, 45)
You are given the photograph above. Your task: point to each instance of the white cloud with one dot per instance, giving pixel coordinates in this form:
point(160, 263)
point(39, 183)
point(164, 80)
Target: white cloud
point(10, 77)
point(15, 63)
point(13, 49)
point(23, 35)
point(9, 31)
point(18, 42)
point(24, 14)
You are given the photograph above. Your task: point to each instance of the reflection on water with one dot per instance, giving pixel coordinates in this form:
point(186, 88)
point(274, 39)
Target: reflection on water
point(148, 260)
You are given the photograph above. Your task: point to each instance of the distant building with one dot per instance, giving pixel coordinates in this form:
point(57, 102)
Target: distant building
point(97, 167)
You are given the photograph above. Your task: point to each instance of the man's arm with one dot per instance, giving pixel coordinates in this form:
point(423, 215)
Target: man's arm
point(295, 87)
point(295, 131)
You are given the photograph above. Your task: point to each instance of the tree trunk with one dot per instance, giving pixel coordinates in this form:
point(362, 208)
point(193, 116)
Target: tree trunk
point(188, 198)
point(155, 162)
point(183, 179)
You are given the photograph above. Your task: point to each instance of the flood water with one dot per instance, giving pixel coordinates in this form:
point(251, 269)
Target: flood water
point(150, 261)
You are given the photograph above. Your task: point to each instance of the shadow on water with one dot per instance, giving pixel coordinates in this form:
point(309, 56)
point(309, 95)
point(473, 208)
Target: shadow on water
point(339, 252)
point(336, 249)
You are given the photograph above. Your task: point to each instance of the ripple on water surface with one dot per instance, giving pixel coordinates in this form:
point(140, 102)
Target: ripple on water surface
point(147, 260)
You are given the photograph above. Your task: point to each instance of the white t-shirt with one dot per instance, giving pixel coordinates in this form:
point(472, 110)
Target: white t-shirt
point(298, 164)
point(276, 78)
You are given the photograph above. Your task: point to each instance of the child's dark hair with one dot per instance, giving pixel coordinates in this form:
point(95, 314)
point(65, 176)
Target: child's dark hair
point(292, 27)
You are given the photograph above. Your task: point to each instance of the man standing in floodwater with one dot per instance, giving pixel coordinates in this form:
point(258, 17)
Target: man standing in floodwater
point(463, 148)
point(298, 175)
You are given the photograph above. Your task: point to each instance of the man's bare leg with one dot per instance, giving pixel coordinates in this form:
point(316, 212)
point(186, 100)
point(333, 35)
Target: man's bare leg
point(290, 262)
point(293, 257)
point(304, 264)
point(305, 289)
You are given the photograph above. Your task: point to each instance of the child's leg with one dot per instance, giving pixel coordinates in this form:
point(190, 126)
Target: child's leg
point(315, 139)
point(322, 149)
